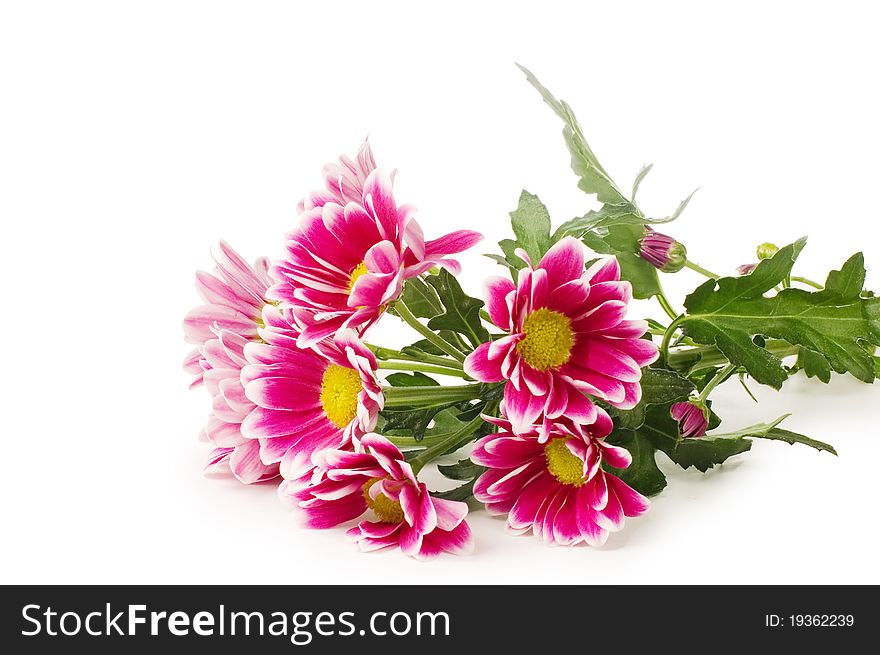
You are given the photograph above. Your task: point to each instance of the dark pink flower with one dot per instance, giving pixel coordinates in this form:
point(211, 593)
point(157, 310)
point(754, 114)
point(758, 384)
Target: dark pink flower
point(554, 484)
point(352, 252)
point(693, 418)
point(235, 298)
point(378, 481)
point(304, 400)
point(567, 337)
point(662, 251)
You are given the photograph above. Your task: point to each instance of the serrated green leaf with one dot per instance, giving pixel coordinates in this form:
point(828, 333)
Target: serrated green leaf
point(606, 216)
point(531, 225)
point(461, 312)
point(421, 299)
point(678, 210)
point(833, 323)
point(642, 174)
point(593, 178)
point(643, 474)
point(813, 365)
point(416, 379)
point(659, 387)
point(640, 273)
point(773, 432)
point(462, 493)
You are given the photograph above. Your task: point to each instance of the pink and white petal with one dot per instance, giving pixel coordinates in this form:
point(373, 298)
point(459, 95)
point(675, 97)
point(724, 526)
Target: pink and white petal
point(633, 503)
point(246, 465)
point(603, 270)
point(479, 366)
point(458, 541)
point(450, 513)
point(452, 243)
point(564, 262)
point(496, 290)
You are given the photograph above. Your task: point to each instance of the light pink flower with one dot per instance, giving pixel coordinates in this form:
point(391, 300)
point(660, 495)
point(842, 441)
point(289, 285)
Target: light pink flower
point(352, 252)
point(693, 419)
point(346, 485)
point(235, 297)
point(554, 485)
point(567, 337)
point(304, 399)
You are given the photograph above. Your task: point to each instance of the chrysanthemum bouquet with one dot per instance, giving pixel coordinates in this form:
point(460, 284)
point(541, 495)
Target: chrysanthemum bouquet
point(561, 400)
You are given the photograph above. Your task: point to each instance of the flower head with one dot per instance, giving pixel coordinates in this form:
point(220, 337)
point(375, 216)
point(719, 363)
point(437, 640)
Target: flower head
point(662, 251)
point(305, 400)
point(353, 250)
point(566, 337)
point(554, 484)
point(692, 417)
point(235, 298)
point(378, 481)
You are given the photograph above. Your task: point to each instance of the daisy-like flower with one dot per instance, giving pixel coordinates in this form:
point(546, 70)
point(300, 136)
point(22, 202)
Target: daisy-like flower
point(554, 485)
point(352, 252)
point(692, 417)
point(304, 399)
point(235, 297)
point(378, 482)
point(567, 337)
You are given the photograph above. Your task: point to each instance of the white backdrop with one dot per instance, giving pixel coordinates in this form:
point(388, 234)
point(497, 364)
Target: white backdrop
point(134, 135)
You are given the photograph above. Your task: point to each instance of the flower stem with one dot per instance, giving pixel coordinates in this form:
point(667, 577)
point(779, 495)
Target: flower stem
point(809, 283)
point(667, 336)
point(666, 305)
point(408, 317)
point(391, 354)
point(424, 368)
point(430, 396)
point(710, 356)
point(699, 269)
point(453, 442)
point(725, 373)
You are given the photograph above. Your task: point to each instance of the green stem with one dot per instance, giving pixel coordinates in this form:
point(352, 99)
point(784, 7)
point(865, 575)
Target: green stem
point(808, 282)
point(666, 305)
point(424, 368)
point(725, 373)
point(699, 269)
point(710, 356)
point(430, 396)
point(667, 336)
point(428, 333)
point(485, 316)
point(391, 354)
point(453, 442)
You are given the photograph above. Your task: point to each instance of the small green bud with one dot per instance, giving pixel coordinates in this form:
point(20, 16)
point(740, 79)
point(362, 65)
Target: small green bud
point(766, 250)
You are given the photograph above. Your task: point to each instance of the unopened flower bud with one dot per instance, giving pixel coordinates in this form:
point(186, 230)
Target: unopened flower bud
point(746, 269)
point(662, 251)
point(766, 250)
point(692, 417)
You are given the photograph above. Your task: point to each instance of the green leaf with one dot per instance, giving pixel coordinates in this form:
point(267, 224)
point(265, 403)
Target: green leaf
point(703, 453)
point(833, 323)
point(642, 174)
point(607, 216)
point(461, 493)
point(659, 387)
point(461, 313)
point(531, 225)
point(421, 298)
point(813, 365)
point(678, 210)
point(640, 273)
point(465, 469)
point(408, 422)
point(593, 178)
point(643, 474)
point(416, 379)
point(771, 431)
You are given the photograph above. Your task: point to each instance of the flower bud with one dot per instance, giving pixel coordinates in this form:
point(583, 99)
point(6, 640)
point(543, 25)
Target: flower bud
point(766, 250)
point(692, 417)
point(746, 269)
point(662, 251)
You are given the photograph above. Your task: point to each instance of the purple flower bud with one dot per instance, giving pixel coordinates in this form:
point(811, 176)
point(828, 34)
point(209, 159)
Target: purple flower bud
point(693, 418)
point(662, 251)
point(746, 269)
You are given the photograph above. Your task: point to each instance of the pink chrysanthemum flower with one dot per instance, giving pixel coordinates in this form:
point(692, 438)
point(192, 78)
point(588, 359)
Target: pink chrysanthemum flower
point(235, 297)
point(305, 399)
point(567, 337)
point(692, 417)
point(352, 252)
point(346, 485)
point(555, 485)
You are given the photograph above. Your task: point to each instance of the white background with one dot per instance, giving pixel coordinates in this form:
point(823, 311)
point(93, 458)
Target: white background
point(134, 135)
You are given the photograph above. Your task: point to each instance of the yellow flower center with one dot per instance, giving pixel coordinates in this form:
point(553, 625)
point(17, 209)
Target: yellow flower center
point(340, 387)
point(388, 511)
point(356, 272)
point(548, 339)
point(563, 464)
